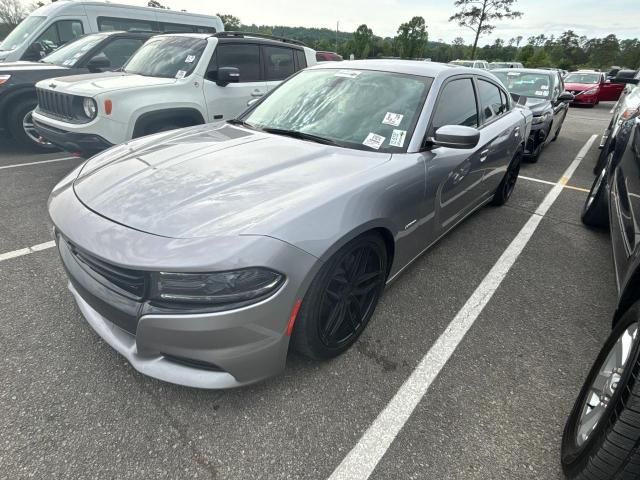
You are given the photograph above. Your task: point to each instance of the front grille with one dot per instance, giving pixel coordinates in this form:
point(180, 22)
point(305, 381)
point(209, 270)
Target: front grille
point(56, 104)
point(131, 281)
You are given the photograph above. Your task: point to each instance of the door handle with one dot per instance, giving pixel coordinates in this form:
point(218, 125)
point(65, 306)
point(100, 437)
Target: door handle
point(484, 154)
point(257, 93)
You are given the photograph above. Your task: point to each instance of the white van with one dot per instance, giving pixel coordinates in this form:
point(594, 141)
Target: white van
point(53, 25)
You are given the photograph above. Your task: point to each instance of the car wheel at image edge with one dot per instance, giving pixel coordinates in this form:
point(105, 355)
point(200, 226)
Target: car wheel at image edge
point(342, 298)
point(508, 183)
point(595, 212)
point(21, 126)
point(603, 157)
point(601, 439)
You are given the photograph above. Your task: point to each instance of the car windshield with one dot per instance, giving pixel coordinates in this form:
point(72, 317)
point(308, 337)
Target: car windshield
point(365, 110)
point(536, 85)
point(167, 57)
point(582, 78)
point(462, 63)
point(69, 54)
point(19, 34)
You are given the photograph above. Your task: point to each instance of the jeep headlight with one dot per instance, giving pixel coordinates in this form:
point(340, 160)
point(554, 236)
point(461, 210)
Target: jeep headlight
point(216, 288)
point(90, 108)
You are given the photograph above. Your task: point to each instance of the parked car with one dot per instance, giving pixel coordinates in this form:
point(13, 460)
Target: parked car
point(94, 53)
point(212, 248)
point(496, 65)
point(547, 99)
point(627, 107)
point(471, 64)
point(173, 81)
point(328, 57)
point(602, 433)
point(591, 88)
point(51, 26)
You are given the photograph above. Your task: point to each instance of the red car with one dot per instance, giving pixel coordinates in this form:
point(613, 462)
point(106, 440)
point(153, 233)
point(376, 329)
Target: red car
point(591, 88)
point(328, 57)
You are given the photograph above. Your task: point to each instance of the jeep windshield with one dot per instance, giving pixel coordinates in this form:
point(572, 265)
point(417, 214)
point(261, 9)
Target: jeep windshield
point(69, 55)
point(19, 34)
point(359, 109)
point(167, 57)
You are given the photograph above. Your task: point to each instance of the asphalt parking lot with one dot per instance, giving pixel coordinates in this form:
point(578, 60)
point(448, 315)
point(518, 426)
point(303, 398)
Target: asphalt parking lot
point(73, 408)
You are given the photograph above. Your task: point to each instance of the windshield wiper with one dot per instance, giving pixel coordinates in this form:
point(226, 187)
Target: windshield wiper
point(242, 123)
point(302, 136)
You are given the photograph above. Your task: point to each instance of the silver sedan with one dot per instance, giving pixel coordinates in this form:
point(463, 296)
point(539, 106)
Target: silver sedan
point(203, 254)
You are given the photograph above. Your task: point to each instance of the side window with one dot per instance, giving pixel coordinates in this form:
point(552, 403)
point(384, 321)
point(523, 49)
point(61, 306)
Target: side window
point(244, 57)
point(109, 24)
point(120, 50)
point(456, 105)
point(177, 28)
point(505, 100)
point(491, 101)
point(301, 59)
point(278, 63)
point(60, 33)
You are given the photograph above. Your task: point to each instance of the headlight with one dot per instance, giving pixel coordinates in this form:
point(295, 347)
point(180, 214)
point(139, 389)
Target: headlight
point(540, 119)
point(216, 288)
point(591, 91)
point(4, 79)
point(90, 108)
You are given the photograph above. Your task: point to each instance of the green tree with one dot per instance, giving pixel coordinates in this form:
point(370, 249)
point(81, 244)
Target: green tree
point(603, 52)
point(362, 41)
point(539, 59)
point(630, 53)
point(412, 37)
point(230, 22)
point(526, 53)
point(478, 16)
point(156, 4)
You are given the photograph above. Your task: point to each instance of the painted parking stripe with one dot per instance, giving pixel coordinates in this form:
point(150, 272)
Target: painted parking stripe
point(547, 182)
point(26, 251)
point(363, 458)
point(18, 165)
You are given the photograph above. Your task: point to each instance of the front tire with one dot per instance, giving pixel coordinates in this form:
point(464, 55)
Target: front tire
point(508, 183)
point(342, 298)
point(604, 156)
point(22, 129)
point(601, 439)
point(595, 212)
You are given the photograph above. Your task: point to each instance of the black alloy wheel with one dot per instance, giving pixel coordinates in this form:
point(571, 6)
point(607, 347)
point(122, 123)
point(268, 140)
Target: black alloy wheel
point(508, 183)
point(601, 439)
point(595, 212)
point(342, 298)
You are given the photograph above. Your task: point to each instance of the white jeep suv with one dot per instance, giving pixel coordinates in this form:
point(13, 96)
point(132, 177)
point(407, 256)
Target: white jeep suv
point(173, 81)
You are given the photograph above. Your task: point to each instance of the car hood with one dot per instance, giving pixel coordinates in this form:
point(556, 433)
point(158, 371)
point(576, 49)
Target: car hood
point(579, 87)
point(17, 67)
point(537, 105)
point(216, 180)
point(97, 83)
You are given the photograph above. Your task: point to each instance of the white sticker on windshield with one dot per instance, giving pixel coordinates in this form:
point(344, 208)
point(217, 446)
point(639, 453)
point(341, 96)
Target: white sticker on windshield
point(513, 74)
point(67, 62)
point(392, 119)
point(397, 138)
point(374, 140)
point(544, 87)
point(540, 92)
point(181, 74)
point(347, 73)
point(190, 59)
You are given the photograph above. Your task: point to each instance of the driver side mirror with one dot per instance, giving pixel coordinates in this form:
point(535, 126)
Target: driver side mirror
point(99, 63)
point(227, 75)
point(34, 52)
point(566, 97)
point(456, 136)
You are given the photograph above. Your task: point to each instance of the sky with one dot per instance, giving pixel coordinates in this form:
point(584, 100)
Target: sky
point(594, 18)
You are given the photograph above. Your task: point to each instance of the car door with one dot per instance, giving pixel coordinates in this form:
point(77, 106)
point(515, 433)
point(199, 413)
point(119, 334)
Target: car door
point(559, 108)
point(609, 91)
point(499, 133)
point(454, 176)
point(228, 101)
point(279, 64)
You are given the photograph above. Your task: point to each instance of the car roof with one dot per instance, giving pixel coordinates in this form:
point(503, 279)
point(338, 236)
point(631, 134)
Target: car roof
point(409, 67)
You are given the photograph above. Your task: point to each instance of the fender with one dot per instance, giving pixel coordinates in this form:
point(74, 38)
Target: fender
point(146, 119)
point(12, 95)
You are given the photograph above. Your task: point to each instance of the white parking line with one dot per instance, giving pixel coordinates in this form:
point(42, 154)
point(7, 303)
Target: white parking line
point(26, 251)
point(547, 182)
point(363, 458)
point(17, 165)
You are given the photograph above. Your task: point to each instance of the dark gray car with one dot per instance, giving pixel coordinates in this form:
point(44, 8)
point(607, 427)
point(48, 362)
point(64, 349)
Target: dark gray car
point(201, 254)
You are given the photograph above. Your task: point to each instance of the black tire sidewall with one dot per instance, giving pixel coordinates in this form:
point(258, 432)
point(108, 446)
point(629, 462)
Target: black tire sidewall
point(305, 334)
point(596, 213)
point(574, 458)
point(501, 197)
point(19, 111)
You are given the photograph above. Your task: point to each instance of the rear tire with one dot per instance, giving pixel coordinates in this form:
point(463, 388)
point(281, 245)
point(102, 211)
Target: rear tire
point(601, 439)
point(508, 183)
point(603, 157)
point(342, 298)
point(20, 124)
point(595, 212)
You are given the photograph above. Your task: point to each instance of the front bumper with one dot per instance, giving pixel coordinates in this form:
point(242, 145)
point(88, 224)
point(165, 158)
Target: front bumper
point(83, 143)
point(202, 349)
point(585, 99)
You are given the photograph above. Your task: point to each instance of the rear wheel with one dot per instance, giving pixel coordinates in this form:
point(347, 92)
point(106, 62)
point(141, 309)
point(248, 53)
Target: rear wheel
point(22, 129)
point(508, 183)
point(595, 212)
point(601, 439)
point(604, 156)
point(342, 298)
